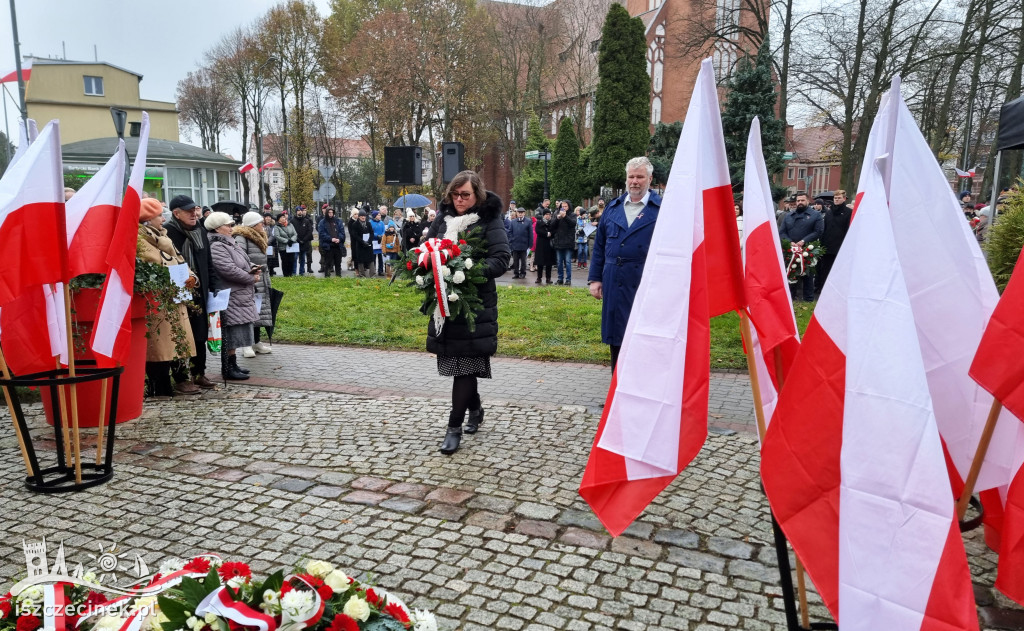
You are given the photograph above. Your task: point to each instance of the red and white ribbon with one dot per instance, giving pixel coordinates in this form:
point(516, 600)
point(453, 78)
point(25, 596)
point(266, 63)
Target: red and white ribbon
point(798, 256)
point(220, 603)
point(54, 608)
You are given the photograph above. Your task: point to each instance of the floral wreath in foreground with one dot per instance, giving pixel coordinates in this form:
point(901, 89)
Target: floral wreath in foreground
point(447, 274)
point(205, 594)
point(799, 259)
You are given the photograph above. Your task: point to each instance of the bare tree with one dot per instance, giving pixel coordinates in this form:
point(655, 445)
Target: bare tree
point(574, 70)
point(205, 106)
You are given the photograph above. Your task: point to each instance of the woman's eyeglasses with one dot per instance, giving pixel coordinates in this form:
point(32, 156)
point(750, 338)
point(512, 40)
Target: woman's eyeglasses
point(462, 194)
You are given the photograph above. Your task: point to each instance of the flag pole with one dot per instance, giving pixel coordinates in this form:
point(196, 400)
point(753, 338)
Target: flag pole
point(74, 388)
point(100, 424)
point(762, 428)
point(63, 417)
point(14, 417)
point(979, 459)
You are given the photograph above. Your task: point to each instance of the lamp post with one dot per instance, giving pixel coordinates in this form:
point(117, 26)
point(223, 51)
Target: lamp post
point(259, 126)
point(120, 118)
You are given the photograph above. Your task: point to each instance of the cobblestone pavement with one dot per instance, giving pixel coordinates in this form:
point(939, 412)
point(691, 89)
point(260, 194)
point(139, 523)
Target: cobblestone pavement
point(400, 373)
point(494, 537)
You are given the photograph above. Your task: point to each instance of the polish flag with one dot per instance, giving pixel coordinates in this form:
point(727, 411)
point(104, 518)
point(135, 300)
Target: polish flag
point(951, 291)
point(268, 165)
point(32, 228)
point(769, 304)
point(26, 72)
point(999, 368)
point(92, 215)
point(853, 463)
point(654, 424)
point(245, 168)
point(960, 173)
point(111, 335)
point(33, 330)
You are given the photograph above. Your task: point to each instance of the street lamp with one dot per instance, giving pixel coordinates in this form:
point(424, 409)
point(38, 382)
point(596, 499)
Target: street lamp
point(259, 127)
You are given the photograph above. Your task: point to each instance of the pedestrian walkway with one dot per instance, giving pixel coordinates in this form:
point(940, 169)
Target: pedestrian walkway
point(379, 373)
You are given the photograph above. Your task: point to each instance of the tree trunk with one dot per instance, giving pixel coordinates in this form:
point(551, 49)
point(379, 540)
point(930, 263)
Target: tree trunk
point(850, 99)
point(1012, 160)
point(787, 45)
point(939, 133)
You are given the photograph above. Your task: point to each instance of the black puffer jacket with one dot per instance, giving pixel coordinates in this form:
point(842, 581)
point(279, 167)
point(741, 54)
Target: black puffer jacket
point(563, 236)
point(456, 340)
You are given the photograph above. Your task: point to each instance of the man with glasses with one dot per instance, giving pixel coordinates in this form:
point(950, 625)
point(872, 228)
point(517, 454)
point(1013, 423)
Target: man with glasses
point(189, 237)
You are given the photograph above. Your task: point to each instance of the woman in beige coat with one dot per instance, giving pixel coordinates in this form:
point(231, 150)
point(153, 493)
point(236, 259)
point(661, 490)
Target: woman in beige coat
point(156, 247)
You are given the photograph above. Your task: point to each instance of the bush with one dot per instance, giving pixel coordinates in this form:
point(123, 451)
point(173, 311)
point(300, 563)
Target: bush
point(1005, 238)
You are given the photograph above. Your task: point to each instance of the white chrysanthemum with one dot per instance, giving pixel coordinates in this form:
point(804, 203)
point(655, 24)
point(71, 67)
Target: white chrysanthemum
point(337, 581)
point(469, 263)
point(171, 565)
point(423, 620)
point(420, 281)
point(113, 623)
point(810, 247)
point(459, 277)
point(297, 603)
point(446, 271)
point(453, 297)
point(319, 569)
point(236, 582)
point(357, 608)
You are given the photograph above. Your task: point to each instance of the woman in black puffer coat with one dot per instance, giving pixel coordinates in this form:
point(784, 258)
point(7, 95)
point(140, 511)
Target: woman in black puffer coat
point(463, 354)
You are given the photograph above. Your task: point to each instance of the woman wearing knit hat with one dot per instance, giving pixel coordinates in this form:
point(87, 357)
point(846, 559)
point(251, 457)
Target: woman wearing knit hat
point(156, 247)
point(234, 272)
point(251, 238)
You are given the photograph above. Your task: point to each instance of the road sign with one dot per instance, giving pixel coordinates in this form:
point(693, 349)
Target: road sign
point(327, 191)
point(538, 155)
point(326, 172)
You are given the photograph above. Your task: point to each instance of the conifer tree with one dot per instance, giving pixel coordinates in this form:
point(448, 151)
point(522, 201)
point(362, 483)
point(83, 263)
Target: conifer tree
point(663, 149)
point(566, 178)
point(622, 109)
point(751, 92)
point(528, 188)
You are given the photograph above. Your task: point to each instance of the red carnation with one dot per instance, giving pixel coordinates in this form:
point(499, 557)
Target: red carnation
point(319, 585)
point(462, 242)
point(456, 251)
point(5, 605)
point(398, 612)
point(372, 597)
point(287, 587)
point(408, 265)
point(28, 622)
point(342, 622)
point(198, 564)
point(234, 569)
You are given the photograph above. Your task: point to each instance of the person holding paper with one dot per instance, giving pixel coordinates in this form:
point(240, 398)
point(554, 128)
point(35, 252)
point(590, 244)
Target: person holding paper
point(237, 273)
point(251, 238)
point(287, 241)
point(170, 335)
point(332, 243)
point(188, 237)
point(362, 243)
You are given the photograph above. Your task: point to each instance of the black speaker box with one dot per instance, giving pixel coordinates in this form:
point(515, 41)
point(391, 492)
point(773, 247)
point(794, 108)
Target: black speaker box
point(453, 160)
point(403, 166)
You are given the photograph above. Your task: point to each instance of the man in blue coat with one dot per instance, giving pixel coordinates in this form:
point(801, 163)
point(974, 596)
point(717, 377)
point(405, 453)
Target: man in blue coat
point(621, 242)
point(519, 229)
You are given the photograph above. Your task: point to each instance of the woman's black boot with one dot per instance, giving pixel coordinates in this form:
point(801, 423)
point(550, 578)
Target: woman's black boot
point(476, 416)
point(453, 436)
point(233, 372)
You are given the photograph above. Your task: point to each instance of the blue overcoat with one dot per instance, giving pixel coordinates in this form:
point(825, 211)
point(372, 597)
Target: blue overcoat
point(620, 251)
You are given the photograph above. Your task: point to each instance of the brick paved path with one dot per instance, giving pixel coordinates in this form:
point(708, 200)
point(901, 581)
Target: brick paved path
point(400, 373)
point(494, 537)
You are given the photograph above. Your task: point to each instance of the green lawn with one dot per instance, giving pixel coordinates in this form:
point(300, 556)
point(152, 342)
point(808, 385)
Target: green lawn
point(552, 323)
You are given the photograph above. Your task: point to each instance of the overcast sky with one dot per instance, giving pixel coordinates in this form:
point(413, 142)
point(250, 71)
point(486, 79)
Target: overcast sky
point(161, 40)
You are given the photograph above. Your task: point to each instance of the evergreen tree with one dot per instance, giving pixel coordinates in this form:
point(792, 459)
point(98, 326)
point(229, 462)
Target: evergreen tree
point(623, 100)
point(751, 92)
point(566, 178)
point(6, 152)
point(663, 149)
point(587, 186)
point(528, 189)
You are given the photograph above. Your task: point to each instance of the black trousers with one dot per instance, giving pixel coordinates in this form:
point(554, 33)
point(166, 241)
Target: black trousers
point(288, 263)
point(196, 366)
point(519, 263)
point(615, 354)
point(544, 270)
point(159, 376)
point(822, 270)
point(330, 260)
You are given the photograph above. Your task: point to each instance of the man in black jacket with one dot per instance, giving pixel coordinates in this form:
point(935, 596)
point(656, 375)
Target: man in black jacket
point(305, 230)
point(563, 239)
point(837, 223)
point(189, 237)
point(803, 226)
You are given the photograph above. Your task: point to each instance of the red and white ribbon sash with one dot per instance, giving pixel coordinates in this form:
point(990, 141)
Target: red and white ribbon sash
point(798, 257)
point(220, 603)
point(432, 253)
point(54, 608)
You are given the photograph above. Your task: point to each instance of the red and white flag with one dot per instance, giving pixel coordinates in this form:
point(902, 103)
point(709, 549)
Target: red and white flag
point(970, 173)
point(654, 424)
point(951, 291)
point(999, 367)
point(268, 165)
point(769, 303)
point(111, 335)
point(33, 330)
point(26, 72)
point(92, 214)
point(32, 228)
point(245, 168)
point(853, 463)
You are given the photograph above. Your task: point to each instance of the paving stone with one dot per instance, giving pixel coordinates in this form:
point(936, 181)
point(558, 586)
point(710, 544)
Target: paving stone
point(628, 545)
point(696, 560)
point(488, 520)
point(403, 504)
point(580, 519)
point(585, 538)
point(305, 473)
point(674, 537)
point(445, 512)
point(327, 491)
point(408, 489)
point(533, 528)
point(533, 510)
point(262, 479)
point(295, 485)
point(1002, 618)
point(370, 483)
point(730, 547)
point(448, 496)
point(753, 570)
point(493, 504)
point(201, 456)
point(364, 497)
point(228, 475)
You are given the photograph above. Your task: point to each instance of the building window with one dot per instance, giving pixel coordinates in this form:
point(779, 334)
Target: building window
point(93, 86)
point(789, 173)
point(179, 182)
point(802, 174)
point(594, 45)
point(656, 110)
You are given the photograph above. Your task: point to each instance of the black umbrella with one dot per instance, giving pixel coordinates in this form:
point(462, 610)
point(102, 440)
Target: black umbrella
point(276, 295)
point(235, 209)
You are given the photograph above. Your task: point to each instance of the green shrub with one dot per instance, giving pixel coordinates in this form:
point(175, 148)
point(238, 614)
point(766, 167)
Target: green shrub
point(1005, 238)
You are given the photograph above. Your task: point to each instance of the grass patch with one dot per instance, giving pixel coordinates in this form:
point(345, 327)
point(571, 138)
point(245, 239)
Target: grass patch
point(549, 323)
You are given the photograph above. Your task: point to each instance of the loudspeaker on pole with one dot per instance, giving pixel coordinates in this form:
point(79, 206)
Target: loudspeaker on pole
point(452, 159)
point(403, 166)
